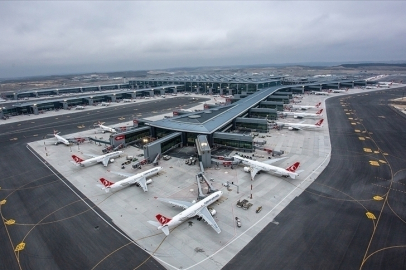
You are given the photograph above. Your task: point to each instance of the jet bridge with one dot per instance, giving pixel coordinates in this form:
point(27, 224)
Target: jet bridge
point(209, 185)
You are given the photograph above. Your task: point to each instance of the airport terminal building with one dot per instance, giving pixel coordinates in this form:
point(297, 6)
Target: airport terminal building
point(250, 102)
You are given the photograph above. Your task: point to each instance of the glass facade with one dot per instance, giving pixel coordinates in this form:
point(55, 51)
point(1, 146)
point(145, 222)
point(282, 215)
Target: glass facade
point(252, 126)
point(233, 143)
point(190, 138)
point(265, 115)
point(172, 143)
point(160, 132)
point(133, 137)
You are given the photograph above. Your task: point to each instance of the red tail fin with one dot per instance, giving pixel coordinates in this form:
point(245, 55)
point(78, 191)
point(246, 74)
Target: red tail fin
point(320, 111)
point(77, 159)
point(293, 168)
point(319, 122)
point(163, 220)
point(106, 182)
point(318, 104)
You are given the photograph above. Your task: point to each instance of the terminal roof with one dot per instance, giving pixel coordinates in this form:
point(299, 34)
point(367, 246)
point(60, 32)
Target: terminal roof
point(209, 121)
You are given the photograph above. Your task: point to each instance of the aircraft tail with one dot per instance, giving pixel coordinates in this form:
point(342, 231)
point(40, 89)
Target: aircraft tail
point(163, 220)
point(106, 182)
point(318, 104)
point(161, 224)
point(77, 159)
point(293, 168)
point(320, 111)
point(319, 122)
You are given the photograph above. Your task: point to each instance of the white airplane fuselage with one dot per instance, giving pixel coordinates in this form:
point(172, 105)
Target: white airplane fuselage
point(297, 126)
point(133, 179)
point(260, 166)
point(193, 210)
point(106, 128)
point(61, 140)
point(303, 115)
point(99, 159)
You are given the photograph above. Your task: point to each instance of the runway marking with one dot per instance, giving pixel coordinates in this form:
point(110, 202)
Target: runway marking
point(346, 110)
point(368, 150)
point(382, 161)
point(378, 198)
point(3, 202)
point(357, 130)
point(385, 154)
point(56, 117)
point(20, 247)
point(370, 215)
point(10, 222)
point(373, 163)
point(347, 113)
point(376, 152)
point(13, 139)
point(381, 116)
point(353, 123)
point(350, 118)
point(361, 138)
point(121, 118)
point(81, 126)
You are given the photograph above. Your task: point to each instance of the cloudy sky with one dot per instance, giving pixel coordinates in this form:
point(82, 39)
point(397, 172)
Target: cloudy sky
point(51, 37)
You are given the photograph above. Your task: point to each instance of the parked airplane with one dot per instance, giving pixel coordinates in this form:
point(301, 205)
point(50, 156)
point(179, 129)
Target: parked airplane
point(306, 107)
point(191, 209)
point(387, 84)
point(105, 128)
point(139, 179)
point(300, 126)
point(323, 93)
point(304, 115)
point(256, 166)
point(61, 139)
point(339, 90)
point(105, 159)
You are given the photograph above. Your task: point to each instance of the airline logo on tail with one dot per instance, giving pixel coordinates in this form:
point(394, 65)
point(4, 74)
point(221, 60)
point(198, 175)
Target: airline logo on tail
point(106, 182)
point(77, 159)
point(293, 168)
point(320, 111)
point(319, 122)
point(163, 220)
point(318, 104)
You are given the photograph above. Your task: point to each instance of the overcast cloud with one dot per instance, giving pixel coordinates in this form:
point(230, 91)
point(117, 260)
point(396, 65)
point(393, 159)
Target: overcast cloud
point(44, 38)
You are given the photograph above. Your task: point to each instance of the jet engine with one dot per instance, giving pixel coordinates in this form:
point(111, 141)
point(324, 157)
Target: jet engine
point(247, 169)
point(212, 211)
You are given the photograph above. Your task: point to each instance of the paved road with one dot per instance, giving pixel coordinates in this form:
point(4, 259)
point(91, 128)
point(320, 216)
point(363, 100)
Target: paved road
point(327, 226)
point(59, 229)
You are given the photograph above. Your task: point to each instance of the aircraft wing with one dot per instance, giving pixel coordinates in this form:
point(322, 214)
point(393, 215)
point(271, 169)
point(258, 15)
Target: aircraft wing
point(182, 204)
point(271, 161)
point(295, 128)
point(205, 214)
point(143, 183)
point(254, 172)
point(123, 174)
point(106, 161)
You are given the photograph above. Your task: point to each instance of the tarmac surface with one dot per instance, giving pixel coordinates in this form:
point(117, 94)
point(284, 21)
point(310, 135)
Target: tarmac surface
point(58, 226)
point(338, 222)
point(335, 223)
point(194, 245)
